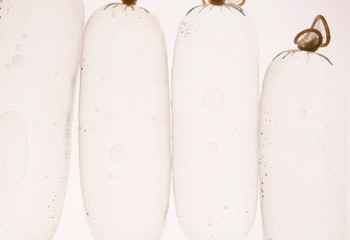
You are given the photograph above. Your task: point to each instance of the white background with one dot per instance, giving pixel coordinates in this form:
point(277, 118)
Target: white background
point(277, 21)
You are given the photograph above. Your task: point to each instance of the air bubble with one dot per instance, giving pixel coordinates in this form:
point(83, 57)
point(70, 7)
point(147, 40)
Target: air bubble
point(18, 47)
point(18, 61)
point(13, 150)
point(112, 176)
point(117, 153)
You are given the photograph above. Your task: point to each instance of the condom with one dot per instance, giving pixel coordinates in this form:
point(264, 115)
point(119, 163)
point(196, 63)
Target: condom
point(215, 90)
point(302, 150)
point(124, 124)
point(40, 44)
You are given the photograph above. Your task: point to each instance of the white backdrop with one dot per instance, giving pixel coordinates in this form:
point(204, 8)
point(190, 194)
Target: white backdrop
point(277, 21)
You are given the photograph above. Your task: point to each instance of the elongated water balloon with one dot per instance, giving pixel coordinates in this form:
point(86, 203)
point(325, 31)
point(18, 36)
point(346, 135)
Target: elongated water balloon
point(40, 44)
point(124, 124)
point(303, 143)
point(215, 119)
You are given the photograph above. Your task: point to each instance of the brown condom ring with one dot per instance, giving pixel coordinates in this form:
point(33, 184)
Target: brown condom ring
point(326, 28)
point(310, 44)
point(129, 2)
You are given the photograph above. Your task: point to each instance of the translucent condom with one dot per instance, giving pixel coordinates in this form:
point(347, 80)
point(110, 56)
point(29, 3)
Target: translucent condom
point(302, 150)
point(40, 44)
point(124, 124)
point(215, 119)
